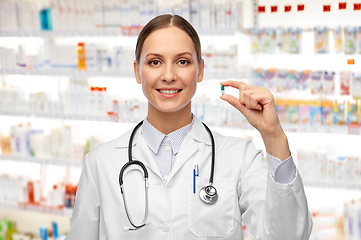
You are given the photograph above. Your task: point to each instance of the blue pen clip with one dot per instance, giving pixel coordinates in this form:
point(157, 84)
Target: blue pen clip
point(195, 174)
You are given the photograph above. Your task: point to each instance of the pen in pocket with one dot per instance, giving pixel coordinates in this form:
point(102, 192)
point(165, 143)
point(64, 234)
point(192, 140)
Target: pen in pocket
point(195, 174)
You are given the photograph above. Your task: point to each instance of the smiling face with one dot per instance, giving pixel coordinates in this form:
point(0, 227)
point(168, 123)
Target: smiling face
point(168, 70)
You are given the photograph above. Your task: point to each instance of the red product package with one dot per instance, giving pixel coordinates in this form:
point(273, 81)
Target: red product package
point(345, 82)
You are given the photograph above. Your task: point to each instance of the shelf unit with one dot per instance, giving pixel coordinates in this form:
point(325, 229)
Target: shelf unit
point(99, 33)
point(60, 162)
point(331, 129)
point(119, 74)
point(61, 211)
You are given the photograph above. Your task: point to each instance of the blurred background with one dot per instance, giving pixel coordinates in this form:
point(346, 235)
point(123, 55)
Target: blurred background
point(67, 85)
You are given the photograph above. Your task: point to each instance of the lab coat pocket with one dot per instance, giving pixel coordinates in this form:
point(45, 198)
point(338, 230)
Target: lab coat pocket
point(216, 220)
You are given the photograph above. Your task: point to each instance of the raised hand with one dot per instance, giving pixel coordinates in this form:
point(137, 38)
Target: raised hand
point(258, 106)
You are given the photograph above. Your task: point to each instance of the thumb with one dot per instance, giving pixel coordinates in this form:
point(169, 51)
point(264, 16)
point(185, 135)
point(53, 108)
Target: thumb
point(234, 102)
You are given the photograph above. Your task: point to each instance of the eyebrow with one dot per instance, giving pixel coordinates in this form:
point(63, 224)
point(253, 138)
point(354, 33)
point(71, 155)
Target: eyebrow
point(178, 55)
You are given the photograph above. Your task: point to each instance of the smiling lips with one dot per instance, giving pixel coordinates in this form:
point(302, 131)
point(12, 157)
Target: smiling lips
point(169, 91)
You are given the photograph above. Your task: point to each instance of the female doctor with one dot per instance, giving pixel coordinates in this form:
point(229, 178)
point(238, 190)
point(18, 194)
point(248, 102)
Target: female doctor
point(176, 150)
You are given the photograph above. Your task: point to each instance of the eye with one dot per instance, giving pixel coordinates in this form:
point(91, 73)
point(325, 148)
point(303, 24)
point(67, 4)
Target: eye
point(183, 62)
point(154, 62)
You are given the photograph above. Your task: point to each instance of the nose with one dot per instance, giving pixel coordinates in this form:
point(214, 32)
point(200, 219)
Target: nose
point(169, 74)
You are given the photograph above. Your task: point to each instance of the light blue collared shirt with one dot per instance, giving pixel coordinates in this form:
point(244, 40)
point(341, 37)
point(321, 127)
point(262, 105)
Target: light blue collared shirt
point(164, 149)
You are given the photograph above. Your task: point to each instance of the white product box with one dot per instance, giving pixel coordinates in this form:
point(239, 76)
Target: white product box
point(143, 12)
point(227, 6)
point(220, 15)
point(134, 13)
point(112, 13)
point(71, 15)
point(90, 55)
point(125, 16)
point(108, 13)
point(80, 14)
point(63, 15)
point(165, 7)
point(152, 9)
point(11, 21)
point(25, 20)
point(34, 11)
point(98, 16)
point(2, 15)
point(205, 13)
point(194, 13)
point(186, 10)
point(54, 6)
point(89, 14)
point(236, 15)
point(177, 7)
point(117, 13)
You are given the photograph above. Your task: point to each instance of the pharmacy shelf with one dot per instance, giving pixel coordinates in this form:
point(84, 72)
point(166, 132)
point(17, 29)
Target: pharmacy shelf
point(90, 33)
point(298, 128)
point(100, 33)
point(60, 162)
point(56, 116)
point(333, 184)
point(61, 211)
point(224, 74)
point(317, 129)
point(67, 72)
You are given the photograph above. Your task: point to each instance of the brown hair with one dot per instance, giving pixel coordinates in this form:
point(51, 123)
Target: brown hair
point(163, 21)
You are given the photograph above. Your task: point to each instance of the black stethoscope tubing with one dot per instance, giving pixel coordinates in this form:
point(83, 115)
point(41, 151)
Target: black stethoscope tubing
point(208, 194)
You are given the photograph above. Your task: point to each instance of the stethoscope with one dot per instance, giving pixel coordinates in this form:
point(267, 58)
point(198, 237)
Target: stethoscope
point(207, 194)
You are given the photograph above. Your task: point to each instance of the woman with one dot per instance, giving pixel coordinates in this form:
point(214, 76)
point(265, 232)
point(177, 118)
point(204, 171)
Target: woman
point(172, 143)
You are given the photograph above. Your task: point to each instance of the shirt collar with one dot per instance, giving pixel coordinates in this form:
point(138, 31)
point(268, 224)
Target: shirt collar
point(154, 137)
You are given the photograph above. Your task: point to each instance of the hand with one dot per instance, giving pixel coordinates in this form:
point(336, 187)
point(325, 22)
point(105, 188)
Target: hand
point(257, 105)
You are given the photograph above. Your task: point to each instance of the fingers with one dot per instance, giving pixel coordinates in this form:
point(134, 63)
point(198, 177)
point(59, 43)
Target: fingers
point(234, 102)
point(234, 84)
point(249, 96)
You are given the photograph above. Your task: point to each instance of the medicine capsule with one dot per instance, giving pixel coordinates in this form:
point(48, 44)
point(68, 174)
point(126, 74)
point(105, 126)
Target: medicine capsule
point(222, 90)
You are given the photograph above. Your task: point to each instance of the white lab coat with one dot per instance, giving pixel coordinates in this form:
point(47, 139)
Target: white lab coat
point(247, 193)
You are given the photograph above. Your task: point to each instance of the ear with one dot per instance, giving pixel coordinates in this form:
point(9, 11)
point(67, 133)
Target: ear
point(136, 72)
point(200, 71)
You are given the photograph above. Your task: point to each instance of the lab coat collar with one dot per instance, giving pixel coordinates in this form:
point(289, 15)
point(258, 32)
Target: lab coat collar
point(198, 133)
point(189, 147)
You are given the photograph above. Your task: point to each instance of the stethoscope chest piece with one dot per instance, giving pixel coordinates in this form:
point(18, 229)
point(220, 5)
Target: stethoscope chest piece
point(208, 194)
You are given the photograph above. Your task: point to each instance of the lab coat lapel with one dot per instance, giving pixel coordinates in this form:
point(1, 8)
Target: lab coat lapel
point(190, 145)
point(141, 153)
point(188, 149)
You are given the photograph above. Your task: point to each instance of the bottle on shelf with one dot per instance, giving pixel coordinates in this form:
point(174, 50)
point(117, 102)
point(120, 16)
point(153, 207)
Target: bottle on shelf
point(81, 57)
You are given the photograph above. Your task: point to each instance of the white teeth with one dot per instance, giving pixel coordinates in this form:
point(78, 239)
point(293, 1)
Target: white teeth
point(168, 91)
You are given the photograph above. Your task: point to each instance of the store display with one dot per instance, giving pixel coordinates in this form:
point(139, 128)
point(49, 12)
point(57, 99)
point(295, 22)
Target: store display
point(9, 232)
point(28, 194)
point(307, 101)
point(345, 82)
point(326, 165)
point(339, 114)
point(350, 40)
point(356, 86)
point(327, 224)
point(127, 16)
point(99, 58)
point(321, 39)
point(265, 40)
point(337, 38)
point(315, 112)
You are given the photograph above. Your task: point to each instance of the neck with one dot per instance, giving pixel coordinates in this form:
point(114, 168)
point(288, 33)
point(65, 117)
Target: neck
point(169, 122)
